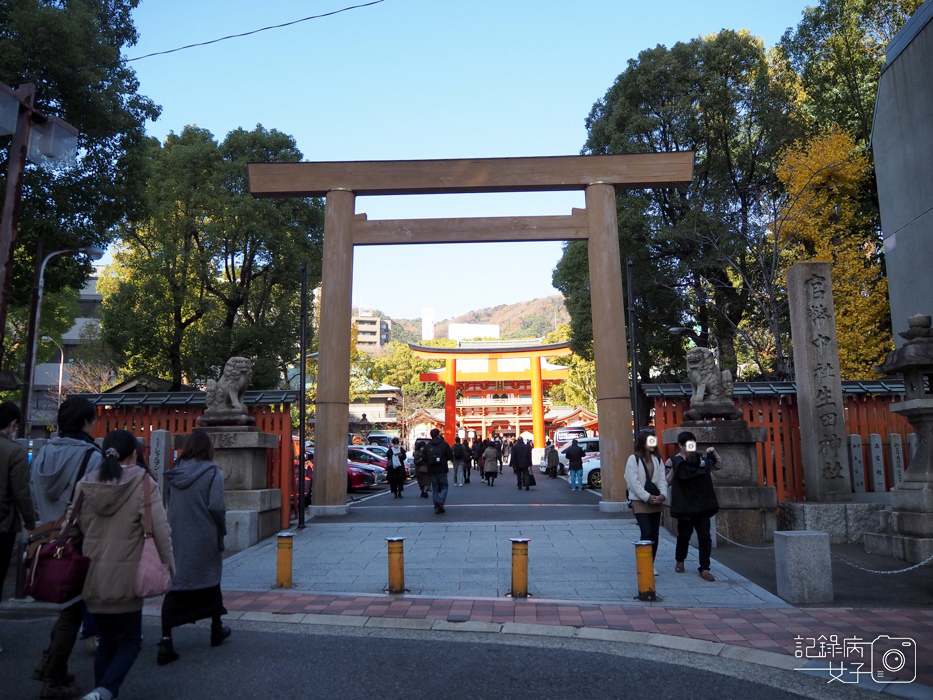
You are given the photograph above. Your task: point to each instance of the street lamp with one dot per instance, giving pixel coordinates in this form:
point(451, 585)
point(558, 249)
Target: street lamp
point(61, 364)
point(46, 141)
point(91, 252)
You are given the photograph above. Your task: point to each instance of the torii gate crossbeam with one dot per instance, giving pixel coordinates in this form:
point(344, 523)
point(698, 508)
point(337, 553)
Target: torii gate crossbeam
point(340, 182)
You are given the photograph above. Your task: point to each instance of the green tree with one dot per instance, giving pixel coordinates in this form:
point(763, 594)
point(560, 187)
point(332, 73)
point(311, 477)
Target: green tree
point(71, 51)
point(213, 268)
point(714, 95)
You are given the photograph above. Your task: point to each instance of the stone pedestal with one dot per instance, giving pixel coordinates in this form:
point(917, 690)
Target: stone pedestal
point(906, 530)
point(747, 511)
point(803, 567)
point(253, 510)
point(844, 523)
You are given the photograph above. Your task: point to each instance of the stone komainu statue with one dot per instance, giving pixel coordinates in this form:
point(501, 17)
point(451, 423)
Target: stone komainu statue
point(712, 388)
point(225, 396)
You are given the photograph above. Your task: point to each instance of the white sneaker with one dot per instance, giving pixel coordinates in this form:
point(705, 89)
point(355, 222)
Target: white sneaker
point(655, 572)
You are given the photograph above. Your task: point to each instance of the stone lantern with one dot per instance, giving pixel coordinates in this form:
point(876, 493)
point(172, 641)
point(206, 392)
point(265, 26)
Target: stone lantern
point(365, 427)
point(907, 529)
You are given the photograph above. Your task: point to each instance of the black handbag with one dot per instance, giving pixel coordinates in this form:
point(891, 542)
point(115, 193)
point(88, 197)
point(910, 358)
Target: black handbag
point(650, 486)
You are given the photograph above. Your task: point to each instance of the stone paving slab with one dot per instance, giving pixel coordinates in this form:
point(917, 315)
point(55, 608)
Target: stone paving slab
point(579, 560)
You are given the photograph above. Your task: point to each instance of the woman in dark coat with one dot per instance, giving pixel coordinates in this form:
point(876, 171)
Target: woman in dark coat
point(196, 512)
point(395, 463)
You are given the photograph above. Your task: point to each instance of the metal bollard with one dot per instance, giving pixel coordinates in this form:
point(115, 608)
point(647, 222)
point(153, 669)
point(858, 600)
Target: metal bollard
point(283, 568)
point(644, 567)
point(396, 564)
point(519, 566)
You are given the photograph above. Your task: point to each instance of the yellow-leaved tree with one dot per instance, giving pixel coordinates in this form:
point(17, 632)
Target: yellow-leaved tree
point(820, 219)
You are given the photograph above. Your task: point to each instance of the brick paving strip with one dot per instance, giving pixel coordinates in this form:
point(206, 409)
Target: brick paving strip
point(772, 631)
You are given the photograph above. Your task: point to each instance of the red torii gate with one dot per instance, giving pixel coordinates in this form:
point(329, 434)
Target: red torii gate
point(448, 377)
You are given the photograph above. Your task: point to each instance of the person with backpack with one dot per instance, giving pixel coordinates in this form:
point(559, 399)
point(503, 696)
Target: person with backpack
point(693, 500)
point(459, 454)
point(437, 454)
point(520, 461)
point(56, 469)
point(647, 487)
point(478, 447)
point(421, 468)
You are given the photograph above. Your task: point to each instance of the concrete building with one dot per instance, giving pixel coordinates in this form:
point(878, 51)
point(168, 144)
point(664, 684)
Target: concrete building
point(53, 373)
point(373, 333)
point(902, 141)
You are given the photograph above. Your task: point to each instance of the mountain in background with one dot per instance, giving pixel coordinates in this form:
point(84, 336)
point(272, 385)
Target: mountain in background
point(527, 319)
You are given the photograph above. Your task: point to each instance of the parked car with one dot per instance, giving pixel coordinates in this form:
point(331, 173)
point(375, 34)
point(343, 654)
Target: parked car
point(588, 445)
point(592, 473)
point(359, 476)
point(364, 457)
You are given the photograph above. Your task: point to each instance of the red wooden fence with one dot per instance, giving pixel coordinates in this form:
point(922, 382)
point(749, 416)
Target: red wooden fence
point(779, 460)
point(142, 419)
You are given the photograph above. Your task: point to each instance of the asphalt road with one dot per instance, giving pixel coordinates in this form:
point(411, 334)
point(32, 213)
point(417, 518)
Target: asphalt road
point(302, 661)
point(550, 499)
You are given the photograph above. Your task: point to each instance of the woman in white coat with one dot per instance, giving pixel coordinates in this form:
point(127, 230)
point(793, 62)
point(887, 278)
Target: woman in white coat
point(647, 487)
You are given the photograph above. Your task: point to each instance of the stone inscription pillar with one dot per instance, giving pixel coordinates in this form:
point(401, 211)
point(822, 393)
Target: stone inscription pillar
point(614, 402)
point(329, 491)
point(819, 389)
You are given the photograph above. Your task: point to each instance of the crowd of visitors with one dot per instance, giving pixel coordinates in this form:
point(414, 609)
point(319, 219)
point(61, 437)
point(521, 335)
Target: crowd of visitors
point(105, 499)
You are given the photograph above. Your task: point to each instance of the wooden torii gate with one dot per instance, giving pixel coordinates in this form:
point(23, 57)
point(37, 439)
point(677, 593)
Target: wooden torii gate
point(341, 182)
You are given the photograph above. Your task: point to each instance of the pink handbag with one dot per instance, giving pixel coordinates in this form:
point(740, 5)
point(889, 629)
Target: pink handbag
point(153, 578)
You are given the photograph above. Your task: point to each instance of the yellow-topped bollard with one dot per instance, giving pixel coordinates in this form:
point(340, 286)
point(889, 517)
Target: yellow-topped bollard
point(396, 564)
point(283, 567)
point(519, 566)
point(644, 567)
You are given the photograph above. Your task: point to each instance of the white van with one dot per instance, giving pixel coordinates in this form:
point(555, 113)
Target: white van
point(587, 444)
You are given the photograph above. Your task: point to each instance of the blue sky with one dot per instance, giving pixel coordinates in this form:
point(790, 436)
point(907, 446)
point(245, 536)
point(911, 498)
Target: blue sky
point(413, 79)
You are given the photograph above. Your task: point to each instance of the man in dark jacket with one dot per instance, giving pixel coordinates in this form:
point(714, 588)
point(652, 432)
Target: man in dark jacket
point(437, 455)
point(693, 500)
point(574, 456)
point(15, 501)
point(520, 461)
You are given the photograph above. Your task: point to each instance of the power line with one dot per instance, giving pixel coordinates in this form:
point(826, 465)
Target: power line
point(254, 31)
point(24, 79)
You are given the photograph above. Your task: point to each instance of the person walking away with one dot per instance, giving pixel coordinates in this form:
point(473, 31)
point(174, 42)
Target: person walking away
point(521, 462)
point(551, 459)
point(16, 504)
point(479, 447)
point(395, 463)
point(490, 463)
point(693, 500)
point(574, 456)
point(56, 470)
point(198, 518)
point(467, 461)
point(437, 454)
point(507, 450)
point(421, 468)
point(647, 488)
point(458, 454)
point(498, 445)
point(110, 521)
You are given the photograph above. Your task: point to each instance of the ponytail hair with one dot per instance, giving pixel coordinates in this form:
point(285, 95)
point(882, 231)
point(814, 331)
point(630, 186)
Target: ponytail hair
point(118, 445)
